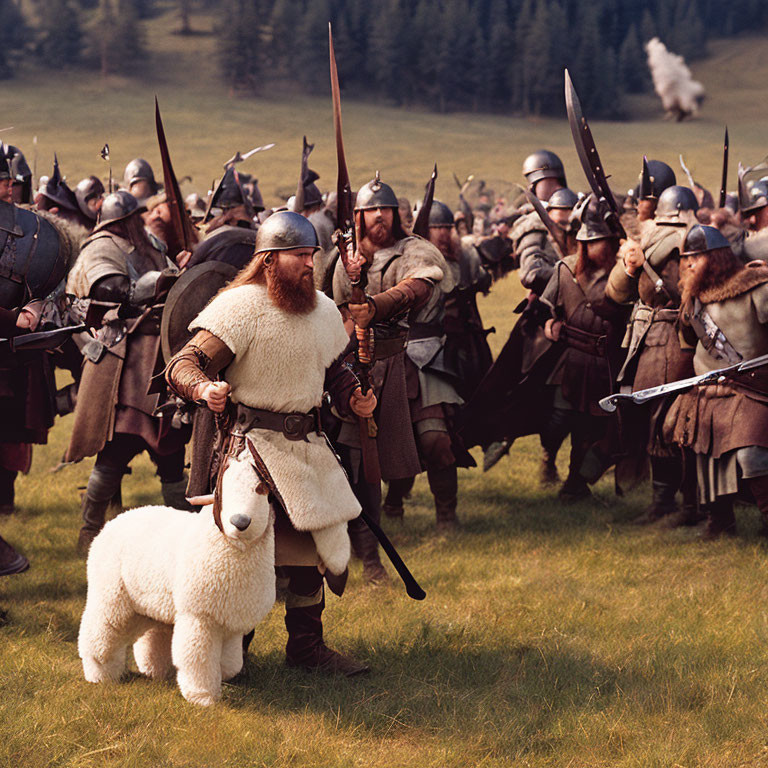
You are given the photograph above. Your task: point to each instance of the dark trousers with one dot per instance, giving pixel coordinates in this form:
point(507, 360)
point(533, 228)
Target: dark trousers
point(118, 453)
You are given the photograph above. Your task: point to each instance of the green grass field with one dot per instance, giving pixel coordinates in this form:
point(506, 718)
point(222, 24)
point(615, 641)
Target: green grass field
point(551, 635)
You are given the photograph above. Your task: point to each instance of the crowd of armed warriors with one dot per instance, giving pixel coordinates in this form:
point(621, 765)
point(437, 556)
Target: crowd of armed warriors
point(106, 284)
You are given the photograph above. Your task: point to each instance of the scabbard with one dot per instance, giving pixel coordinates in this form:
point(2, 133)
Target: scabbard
point(412, 587)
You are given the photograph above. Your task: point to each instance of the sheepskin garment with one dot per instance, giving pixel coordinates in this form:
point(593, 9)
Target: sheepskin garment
point(280, 364)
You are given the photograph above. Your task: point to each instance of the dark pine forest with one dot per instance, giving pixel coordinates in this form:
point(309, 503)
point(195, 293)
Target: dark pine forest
point(482, 55)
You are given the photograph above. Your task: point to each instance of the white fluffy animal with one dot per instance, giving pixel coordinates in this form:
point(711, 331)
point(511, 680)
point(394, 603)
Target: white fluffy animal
point(180, 590)
point(680, 94)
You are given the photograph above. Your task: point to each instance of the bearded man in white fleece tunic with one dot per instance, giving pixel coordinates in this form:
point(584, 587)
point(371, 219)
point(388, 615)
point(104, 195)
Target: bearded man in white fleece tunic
point(276, 344)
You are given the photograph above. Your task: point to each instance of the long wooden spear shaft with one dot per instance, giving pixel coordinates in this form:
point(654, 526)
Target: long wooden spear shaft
point(345, 224)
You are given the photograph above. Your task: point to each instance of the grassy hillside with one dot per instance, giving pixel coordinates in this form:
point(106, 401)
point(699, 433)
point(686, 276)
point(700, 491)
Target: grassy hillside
point(75, 112)
point(551, 636)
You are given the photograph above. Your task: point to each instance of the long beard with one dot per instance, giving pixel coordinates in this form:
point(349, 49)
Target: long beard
point(691, 284)
point(295, 298)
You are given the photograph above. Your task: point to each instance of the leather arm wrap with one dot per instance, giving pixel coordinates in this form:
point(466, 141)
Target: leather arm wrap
point(411, 293)
point(198, 362)
point(339, 384)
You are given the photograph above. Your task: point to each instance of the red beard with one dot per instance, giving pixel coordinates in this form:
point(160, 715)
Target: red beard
point(379, 234)
point(295, 298)
point(604, 259)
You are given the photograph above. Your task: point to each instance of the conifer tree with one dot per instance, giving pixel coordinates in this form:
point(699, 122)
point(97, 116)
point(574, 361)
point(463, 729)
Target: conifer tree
point(60, 35)
point(12, 36)
point(632, 63)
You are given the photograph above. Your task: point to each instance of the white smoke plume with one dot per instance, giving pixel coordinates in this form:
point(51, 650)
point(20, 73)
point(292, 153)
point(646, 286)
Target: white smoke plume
point(680, 94)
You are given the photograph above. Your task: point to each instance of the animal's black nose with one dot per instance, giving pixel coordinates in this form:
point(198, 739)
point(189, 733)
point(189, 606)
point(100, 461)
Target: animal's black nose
point(241, 522)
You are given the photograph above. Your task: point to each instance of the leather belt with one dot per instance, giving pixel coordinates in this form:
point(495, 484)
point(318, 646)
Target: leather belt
point(384, 348)
point(294, 426)
point(583, 341)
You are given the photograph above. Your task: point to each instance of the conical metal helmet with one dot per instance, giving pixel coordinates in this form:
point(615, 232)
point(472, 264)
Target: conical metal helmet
point(116, 207)
point(755, 197)
point(543, 164)
point(440, 215)
point(86, 190)
point(375, 194)
point(674, 201)
point(286, 231)
point(701, 239)
point(562, 198)
point(655, 177)
point(139, 169)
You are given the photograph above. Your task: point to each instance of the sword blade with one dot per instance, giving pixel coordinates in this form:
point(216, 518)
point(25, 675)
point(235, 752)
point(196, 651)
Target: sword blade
point(262, 148)
point(644, 395)
point(45, 339)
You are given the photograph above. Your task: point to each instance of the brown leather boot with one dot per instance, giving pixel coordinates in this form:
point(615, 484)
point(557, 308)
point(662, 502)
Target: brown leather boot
point(444, 485)
point(7, 482)
point(397, 491)
point(103, 490)
point(365, 547)
point(720, 519)
point(759, 488)
point(666, 477)
point(11, 561)
point(306, 649)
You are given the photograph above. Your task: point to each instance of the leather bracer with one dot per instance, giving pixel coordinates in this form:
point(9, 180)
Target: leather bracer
point(198, 362)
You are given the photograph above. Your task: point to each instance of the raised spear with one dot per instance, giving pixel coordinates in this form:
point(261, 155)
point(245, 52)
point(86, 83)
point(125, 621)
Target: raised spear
point(421, 225)
point(186, 235)
point(345, 239)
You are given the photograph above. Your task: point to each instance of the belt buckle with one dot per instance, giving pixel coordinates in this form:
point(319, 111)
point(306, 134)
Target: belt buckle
point(294, 427)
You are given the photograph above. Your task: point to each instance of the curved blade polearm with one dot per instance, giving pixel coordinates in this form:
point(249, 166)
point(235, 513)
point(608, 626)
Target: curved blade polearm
point(182, 225)
point(421, 225)
point(724, 177)
point(345, 221)
point(585, 145)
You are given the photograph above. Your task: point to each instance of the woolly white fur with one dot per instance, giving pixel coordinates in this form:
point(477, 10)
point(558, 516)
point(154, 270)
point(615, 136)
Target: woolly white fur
point(180, 590)
point(280, 364)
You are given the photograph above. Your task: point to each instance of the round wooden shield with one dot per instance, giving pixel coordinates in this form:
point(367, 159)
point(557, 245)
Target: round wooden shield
point(187, 298)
